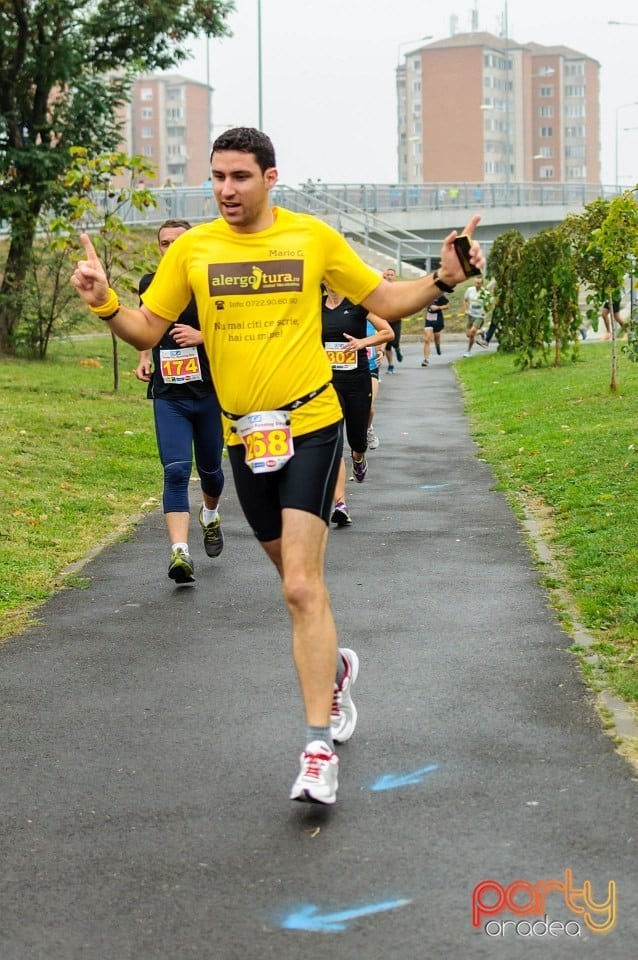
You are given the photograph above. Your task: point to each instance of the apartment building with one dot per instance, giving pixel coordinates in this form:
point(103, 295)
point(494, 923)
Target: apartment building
point(167, 122)
point(476, 107)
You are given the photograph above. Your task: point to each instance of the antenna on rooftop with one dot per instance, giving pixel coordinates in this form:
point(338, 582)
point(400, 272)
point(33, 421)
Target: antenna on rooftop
point(475, 17)
point(454, 24)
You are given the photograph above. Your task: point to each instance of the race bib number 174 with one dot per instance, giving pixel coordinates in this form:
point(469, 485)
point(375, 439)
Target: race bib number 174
point(180, 365)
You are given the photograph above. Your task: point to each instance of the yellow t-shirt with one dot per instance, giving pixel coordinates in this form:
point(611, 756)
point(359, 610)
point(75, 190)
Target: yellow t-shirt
point(259, 305)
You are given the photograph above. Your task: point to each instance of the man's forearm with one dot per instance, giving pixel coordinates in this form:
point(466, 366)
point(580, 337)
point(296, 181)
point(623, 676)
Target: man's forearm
point(393, 301)
point(139, 327)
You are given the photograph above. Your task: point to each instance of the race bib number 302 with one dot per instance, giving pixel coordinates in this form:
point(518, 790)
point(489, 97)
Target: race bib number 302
point(341, 356)
point(267, 439)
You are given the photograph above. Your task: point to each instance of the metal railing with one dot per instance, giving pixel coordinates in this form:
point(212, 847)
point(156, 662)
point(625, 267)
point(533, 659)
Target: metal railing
point(389, 198)
point(356, 210)
point(359, 224)
point(196, 204)
point(334, 204)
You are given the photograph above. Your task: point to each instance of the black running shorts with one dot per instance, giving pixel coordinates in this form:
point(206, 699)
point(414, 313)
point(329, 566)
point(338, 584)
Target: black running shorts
point(306, 482)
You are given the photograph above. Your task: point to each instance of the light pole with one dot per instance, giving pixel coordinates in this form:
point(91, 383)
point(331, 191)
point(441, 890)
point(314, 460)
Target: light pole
point(508, 103)
point(409, 43)
point(209, 97)
point(260, 112)
point(621, 23)
point(622, 106)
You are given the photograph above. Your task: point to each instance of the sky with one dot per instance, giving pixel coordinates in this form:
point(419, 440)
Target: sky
point(328, 74)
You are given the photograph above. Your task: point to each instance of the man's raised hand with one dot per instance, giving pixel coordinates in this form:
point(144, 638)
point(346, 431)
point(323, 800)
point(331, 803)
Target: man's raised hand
point(89, 278)
point(451, 270)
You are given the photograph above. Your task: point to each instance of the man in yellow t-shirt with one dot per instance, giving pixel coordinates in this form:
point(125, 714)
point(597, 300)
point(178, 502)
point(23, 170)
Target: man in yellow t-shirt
point(256, 274)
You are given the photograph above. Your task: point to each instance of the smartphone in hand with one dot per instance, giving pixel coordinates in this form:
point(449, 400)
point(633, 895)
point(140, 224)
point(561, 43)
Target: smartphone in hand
point(462, 246)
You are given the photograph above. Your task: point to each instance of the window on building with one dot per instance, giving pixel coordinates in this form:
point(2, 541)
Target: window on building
point(546, 172)
point(574, 90)
point(545, 70)
point(575, 152)
point(546, 111)
point(495, 83)
point(546, 152)
point(546, 91)
point(416, 86)
point(415, 63)
point(416, 126)
point(417, 148)
point(496, 62)
point(146, 133)
point(575, 133)
point(146, 113)
point(147, 150)
point(576, 173)
point(574, 69)
point(577, 110)
point(146, 93)
point(418, 171)
point(547, 131)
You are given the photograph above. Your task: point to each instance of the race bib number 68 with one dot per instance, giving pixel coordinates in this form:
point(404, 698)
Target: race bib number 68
point(267, 439)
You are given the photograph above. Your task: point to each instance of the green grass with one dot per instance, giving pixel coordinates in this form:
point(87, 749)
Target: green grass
point(565, 449)
point(77, 463)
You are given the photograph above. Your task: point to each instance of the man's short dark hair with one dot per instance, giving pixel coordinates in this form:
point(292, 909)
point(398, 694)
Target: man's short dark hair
point(247, 140)
point(173, 224)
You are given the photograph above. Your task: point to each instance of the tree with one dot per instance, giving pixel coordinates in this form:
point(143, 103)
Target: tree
point(604, 239)
point(618, 239)
point(546, 293)
point(49, 304)
point(535, 296)
point(96, 206)
point(580, 228)
point(503, 261)
point(65, 67)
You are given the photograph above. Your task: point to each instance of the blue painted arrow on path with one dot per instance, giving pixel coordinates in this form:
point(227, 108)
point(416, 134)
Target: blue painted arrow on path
point(308, 917)
point(390, 781)
point(432, 486)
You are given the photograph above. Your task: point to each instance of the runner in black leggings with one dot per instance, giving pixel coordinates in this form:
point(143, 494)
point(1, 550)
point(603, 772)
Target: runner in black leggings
point(344, 334)
point(187, 416)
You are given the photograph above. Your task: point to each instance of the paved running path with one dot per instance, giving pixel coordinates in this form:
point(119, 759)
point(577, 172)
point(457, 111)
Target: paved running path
point(150, 736)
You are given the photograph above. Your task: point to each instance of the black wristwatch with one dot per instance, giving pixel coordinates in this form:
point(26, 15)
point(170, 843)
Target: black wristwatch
point(445, 287)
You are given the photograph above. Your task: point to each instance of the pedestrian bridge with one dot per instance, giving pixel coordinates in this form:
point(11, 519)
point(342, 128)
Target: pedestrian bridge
point(404, 222)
